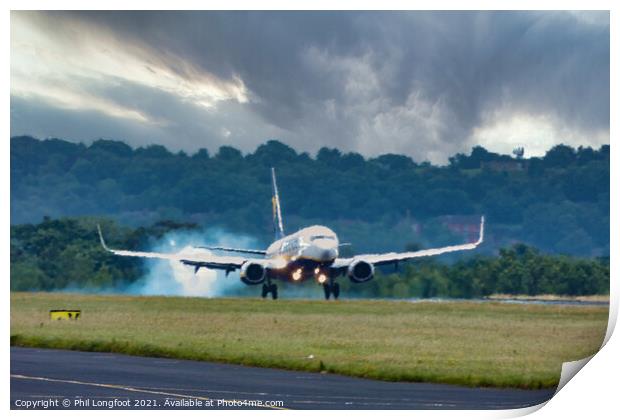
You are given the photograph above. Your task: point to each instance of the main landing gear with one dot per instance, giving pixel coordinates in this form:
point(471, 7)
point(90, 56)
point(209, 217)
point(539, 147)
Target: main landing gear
point(270, 288)
point(331, 288)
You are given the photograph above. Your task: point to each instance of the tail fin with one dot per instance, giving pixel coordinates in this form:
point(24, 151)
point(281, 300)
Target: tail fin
point(275, 201)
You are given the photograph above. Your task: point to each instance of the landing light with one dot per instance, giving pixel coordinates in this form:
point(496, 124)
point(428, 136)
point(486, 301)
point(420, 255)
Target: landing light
point(279, 262)
point(322, 278)
point(297, 274)
point(316, 270)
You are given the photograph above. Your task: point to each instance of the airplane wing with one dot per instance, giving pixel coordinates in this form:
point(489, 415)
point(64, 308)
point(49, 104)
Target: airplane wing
point(228, 263)
point(394, 257)
point(240, 250)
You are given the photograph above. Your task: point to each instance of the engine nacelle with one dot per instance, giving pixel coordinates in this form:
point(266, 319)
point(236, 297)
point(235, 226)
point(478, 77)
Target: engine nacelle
point(360, 271)
point(252, 273)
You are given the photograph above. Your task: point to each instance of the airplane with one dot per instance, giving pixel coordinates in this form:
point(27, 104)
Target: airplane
point(311, 252)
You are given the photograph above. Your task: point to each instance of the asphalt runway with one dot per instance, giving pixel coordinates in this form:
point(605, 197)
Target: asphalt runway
point(71, 379)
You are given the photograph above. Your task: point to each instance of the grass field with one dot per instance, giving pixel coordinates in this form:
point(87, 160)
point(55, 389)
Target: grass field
point(475, 344)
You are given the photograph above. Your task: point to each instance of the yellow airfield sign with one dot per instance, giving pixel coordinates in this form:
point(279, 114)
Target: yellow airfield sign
point(59, 314)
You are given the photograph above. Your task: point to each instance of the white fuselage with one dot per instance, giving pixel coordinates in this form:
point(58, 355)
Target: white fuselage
point(305, 252)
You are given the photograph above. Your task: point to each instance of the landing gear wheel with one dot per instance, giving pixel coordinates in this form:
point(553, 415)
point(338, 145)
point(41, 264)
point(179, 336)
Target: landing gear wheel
point(274, 291)
point(336, 290)
point(327, 290)
point(265, 291)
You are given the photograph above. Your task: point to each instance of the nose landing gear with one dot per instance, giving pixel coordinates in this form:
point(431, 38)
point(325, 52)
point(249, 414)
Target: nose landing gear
point(270, 288)
point(331, 288)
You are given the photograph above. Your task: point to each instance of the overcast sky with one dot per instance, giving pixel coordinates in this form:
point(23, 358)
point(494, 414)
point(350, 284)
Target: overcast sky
point(426, 84)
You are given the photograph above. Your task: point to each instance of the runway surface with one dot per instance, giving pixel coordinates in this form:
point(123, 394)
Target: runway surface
point(71, 379)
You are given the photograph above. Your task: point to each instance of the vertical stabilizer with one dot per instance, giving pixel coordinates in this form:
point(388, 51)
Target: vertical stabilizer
point(277, 213)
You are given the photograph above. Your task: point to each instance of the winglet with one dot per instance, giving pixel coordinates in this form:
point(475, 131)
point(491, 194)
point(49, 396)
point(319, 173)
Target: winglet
point(481, 237)
point(101, 238)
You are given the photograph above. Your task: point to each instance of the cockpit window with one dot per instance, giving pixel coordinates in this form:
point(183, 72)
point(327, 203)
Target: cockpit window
point(312, 238)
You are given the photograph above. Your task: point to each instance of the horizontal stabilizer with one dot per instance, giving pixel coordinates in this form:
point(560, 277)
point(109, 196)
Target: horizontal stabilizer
point(240, 250)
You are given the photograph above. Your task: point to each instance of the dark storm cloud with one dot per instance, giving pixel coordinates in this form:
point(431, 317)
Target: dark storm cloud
point(419, 83)
point(264, 48)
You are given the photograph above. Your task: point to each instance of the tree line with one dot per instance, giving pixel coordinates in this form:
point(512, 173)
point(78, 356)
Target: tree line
point(558, 203)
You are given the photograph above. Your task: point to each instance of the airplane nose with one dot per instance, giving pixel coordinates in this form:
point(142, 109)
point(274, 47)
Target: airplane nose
point(328, 254)
point(324, 249)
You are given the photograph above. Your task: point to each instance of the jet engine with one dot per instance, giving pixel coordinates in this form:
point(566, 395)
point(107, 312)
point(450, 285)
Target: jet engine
point(360, 271)
point(252, 273)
